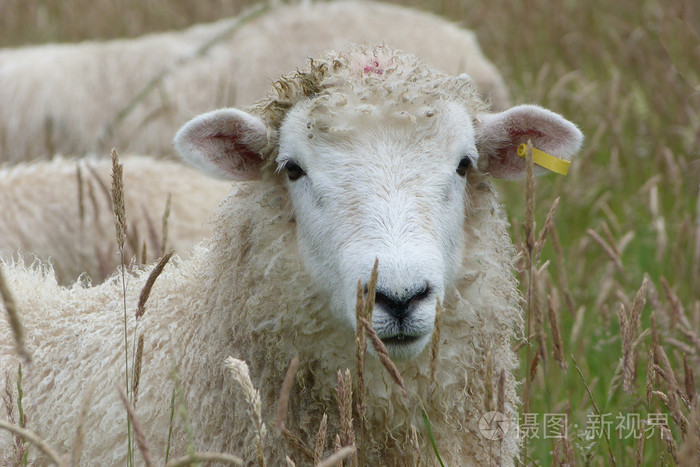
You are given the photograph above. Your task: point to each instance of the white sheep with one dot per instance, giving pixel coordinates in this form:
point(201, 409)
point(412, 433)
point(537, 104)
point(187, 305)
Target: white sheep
point(61, 210)
point(134, 94)
point(363, 155)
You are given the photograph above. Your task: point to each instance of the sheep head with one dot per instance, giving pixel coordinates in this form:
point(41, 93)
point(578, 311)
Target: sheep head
point(375, 149)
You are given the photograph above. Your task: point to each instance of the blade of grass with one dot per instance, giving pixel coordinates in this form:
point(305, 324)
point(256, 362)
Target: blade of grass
point(431, 437)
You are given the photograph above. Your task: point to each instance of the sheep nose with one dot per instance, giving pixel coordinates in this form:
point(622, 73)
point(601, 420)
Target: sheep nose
point(399, 306)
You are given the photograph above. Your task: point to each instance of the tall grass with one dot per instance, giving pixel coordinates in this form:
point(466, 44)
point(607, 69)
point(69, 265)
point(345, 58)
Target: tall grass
point(614, 301)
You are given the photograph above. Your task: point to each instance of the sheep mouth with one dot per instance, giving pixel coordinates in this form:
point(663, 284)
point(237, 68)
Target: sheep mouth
point(400, 340)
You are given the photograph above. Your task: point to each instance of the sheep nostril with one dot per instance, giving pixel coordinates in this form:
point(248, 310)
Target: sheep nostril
point(399, 306)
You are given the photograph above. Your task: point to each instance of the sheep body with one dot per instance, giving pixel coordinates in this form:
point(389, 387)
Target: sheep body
point(252, 291)
point(134, 94)
point(61, 210)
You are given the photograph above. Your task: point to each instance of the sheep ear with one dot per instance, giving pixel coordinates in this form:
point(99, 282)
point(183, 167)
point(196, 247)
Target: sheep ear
point(226, 143)
point(499, 135)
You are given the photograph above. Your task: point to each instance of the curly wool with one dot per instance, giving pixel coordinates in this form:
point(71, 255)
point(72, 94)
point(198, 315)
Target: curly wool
point(408, 88)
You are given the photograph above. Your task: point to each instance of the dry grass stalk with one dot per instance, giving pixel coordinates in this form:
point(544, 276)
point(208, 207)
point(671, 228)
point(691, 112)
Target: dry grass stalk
point(501, 395)
point(681, 346)
point(77, 449)
point(488, 381)
point(529, 234)
point(537, 316)
point(604, 291)
point(138, 429)
point(557, 344)
point(164, 225)
point(146, 291)
point(616, 380)
point(290, 463)
point(138, 360)
point(415, 448)
point(435, 340)
point(608, 249)
point(33, 438)
point(384, 356)
point(529, 226)
point(689, 380)
point(283, 400)
point(671, 445)
point(81, 193)
point(360, 354)
point(652, 294)
point(320, 440)
point(696, 254)
point(658, 223)
point(676, 313)
point(13, 317)
point(197, 457)
point(563, 454)
point(19, 447)
point(240, 373)
point(619, 370)
point(548, 226)
point(119, 211)
point(690, 451)
point(674, 390)
point(535, 363)
point(298, 444)
point(654, 332)
point(595, 408)
point(578, 322)
point(364, 306)
point(627, 360)
point(118, 199)
point(639, 450)
point(344, 391)
point(610, 237)
point(622, 297)
point(562, 270)
point(338, 447)
point(338, 456)
point(144, 253)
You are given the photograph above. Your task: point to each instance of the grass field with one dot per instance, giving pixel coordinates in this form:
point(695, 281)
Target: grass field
point(629, 75)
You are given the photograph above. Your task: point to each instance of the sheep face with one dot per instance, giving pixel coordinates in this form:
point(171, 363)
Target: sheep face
point(368, 186)
point(375, 169)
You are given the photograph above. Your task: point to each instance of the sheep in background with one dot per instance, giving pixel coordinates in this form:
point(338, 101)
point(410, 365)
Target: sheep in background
point(363, 154)
point(134, 94)
point(62, 211)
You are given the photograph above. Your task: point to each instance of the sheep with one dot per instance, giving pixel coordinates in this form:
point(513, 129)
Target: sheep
point(61, 210)
point(134, 94)
point(363, 155)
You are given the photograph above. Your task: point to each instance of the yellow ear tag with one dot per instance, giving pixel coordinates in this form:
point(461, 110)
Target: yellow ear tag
point(545, 160)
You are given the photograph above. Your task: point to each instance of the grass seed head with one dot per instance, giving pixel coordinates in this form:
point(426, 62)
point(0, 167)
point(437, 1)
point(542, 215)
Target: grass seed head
point(118, 199)
point(383, 355)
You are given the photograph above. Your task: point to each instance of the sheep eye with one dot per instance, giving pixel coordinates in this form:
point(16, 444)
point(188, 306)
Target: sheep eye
point(464, 164)
point(294, 170)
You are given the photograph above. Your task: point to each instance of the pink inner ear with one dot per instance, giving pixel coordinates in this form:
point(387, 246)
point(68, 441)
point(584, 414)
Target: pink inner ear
point(506, 163)
point(523, 136)
point(235, 158)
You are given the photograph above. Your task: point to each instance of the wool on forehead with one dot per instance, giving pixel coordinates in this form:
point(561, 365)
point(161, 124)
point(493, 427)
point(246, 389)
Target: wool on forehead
point(377, 80)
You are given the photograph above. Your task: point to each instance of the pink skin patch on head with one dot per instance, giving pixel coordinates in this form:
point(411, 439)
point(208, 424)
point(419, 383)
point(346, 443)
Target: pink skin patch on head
point(373, 68)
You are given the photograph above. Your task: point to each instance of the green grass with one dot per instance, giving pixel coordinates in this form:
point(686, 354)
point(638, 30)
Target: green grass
point(628, 75)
